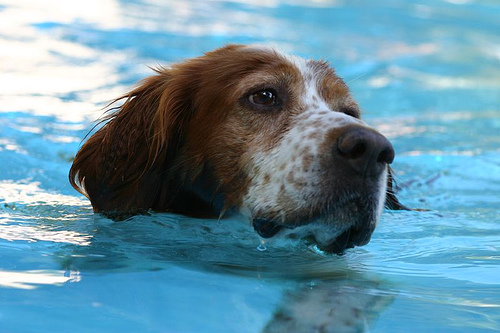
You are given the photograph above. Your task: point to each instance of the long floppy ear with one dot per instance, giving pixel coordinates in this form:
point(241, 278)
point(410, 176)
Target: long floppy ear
point(391, 201)
point(123, 167)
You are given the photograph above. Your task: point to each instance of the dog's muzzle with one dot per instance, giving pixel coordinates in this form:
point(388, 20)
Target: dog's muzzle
point(356, 235)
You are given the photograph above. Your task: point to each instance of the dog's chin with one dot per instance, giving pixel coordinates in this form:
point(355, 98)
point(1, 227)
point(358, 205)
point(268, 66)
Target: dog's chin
point(334, 232)
point(349, 238)
point(327, 238)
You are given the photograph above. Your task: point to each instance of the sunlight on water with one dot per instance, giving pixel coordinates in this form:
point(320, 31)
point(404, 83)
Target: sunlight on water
point(30, 193)
point(34, 279)
point(31, 214)
point(12, 230)
point(41, 68)
point(7, 144)
point(22, 13)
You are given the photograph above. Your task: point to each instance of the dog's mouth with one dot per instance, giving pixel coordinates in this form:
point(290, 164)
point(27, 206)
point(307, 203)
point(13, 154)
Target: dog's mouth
point(326, 238)
point(353, 236)
point(267, 228)
point(332, 233)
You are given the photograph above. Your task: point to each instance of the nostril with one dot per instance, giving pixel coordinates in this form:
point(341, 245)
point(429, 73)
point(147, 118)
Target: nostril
point(352, 147)
point(386, 155)
point(358, 150)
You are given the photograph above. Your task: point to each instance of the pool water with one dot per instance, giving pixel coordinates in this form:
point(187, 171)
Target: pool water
point(427, 75)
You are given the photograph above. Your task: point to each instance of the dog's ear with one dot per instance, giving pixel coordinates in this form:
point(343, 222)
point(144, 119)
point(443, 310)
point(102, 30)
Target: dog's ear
point(124, 166)
point(391, 201)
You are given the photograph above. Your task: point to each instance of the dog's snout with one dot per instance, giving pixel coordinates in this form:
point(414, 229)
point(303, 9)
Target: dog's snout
point(365, 150)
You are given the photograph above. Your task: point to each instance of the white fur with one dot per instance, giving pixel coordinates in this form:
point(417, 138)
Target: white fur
point(271, 171)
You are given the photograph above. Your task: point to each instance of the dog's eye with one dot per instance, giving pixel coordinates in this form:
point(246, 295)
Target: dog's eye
point(263, 98)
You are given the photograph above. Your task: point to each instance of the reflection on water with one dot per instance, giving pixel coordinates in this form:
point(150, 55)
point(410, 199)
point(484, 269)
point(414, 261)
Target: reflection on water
point(329, 307)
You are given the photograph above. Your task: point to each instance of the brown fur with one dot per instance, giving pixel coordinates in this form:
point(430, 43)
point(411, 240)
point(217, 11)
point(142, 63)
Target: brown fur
point(155, 150)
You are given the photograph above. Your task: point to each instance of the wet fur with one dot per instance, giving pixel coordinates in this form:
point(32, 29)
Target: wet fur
point(156, 150)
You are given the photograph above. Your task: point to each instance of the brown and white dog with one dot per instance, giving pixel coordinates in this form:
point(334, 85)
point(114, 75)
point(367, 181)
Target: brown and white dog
point(249, 129)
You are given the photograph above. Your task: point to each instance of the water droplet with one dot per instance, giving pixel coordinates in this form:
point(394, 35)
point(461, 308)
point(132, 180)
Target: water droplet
point(262, 246)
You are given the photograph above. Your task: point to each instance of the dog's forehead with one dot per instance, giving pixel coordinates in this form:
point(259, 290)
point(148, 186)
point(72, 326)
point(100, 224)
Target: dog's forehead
point(315, 77)
point(314, 74)
point(309, 69)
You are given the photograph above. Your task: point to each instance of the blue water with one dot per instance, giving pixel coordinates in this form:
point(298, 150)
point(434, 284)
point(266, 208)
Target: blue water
point(427, 75)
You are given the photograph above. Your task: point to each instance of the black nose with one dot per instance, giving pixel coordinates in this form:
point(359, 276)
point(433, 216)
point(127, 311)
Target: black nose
point(366, 151)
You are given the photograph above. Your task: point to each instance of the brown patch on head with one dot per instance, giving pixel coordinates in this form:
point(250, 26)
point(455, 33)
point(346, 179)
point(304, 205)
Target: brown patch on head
point(183, 121)
point(226, 130)
point(334, 90)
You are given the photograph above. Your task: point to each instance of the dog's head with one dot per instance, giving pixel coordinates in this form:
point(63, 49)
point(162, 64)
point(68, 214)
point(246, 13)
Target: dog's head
point(276, 137)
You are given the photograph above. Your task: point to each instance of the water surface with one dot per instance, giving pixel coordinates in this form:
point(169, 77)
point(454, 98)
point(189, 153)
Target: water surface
point(426, 74)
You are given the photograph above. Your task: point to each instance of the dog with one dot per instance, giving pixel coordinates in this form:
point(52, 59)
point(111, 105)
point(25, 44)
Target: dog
point(243, 129)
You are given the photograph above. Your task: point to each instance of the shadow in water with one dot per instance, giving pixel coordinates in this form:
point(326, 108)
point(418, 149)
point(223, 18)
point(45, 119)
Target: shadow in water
point(320, 293)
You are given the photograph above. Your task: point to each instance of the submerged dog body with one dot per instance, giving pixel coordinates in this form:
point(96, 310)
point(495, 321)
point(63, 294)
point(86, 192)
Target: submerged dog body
point(275, 137)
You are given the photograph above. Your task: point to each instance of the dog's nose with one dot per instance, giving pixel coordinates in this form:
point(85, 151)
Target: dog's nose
point(365, 150)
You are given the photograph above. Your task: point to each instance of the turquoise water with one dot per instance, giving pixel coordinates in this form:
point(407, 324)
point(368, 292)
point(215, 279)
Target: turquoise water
point(427, 75)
